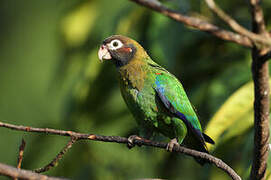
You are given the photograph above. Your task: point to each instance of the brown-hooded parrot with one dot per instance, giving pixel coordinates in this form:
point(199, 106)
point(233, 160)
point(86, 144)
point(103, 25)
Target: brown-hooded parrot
point(155, 97)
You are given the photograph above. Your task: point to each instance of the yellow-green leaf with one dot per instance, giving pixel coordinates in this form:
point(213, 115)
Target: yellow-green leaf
point(78, 23)
point(234, 117)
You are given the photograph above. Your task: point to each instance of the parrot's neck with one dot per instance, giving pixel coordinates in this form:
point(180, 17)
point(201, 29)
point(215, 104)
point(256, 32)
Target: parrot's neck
point(133, 74)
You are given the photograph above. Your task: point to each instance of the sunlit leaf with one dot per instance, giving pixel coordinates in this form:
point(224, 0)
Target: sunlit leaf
point(78, 23)
point(234, 117)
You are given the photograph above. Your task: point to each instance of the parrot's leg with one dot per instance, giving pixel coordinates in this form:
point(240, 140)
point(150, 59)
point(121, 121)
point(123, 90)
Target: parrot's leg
point(131, 139)
point(180, 133)
point(171, 144)
point(144, 134)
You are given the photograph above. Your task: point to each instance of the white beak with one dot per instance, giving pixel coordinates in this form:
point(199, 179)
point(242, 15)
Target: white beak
point(103, 53)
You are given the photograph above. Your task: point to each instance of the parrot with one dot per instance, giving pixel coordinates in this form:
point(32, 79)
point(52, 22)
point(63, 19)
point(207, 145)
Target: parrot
point(155, 97)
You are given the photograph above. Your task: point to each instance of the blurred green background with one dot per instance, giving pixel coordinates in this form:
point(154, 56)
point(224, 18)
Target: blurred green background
point(50, 76)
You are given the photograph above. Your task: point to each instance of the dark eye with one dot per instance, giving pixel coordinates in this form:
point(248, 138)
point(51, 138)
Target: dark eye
point(115, 44)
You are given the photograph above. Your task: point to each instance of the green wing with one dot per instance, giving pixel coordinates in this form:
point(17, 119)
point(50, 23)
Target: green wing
point(169, 87)
point(173, 96)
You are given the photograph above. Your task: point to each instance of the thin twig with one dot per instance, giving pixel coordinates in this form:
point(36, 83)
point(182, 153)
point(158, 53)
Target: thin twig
point(117, 139)
point(235, 26)
point(197, 23)
point(59, 156)
point(21, 153)
point(13, 172)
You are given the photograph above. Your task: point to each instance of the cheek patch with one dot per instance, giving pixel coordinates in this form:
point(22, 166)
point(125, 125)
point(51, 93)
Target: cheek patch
point(126, 50)
point(130, 49)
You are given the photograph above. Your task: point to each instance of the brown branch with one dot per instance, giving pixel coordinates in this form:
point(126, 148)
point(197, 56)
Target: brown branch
point(13, 172)
point(197, 23)
point(258, 25)
point(265, 57)
point(237, 27)
point(261, 117)
point(117, 139)
point(260, 71)
point(59, 156)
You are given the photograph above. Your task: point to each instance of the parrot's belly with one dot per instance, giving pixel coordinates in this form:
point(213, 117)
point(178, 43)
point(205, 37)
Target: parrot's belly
point(142, 105)
point(146, 108)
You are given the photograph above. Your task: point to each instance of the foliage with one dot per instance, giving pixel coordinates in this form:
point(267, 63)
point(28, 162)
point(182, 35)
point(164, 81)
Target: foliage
point(50, 76)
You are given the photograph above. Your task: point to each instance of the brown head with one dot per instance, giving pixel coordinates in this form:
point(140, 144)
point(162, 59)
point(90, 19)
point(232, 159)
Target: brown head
point(121, 50)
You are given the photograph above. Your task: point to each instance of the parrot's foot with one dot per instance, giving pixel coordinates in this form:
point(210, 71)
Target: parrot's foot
point(171, 144)
point(131, 139)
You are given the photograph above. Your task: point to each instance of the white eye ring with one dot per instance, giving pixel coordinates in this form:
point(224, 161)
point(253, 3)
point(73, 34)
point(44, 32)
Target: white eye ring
point(115, 44)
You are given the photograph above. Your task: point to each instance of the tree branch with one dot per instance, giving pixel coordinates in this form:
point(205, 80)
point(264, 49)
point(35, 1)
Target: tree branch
point(13, 172)
point(260, 71)
point(237, 27)
point(265, 57)
point(261, 117)
point(117, 139)
point(59, 156)
point(257, 17)
point(197, 23)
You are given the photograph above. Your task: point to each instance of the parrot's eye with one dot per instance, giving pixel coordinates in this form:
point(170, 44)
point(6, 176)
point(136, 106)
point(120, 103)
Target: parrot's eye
point(115, 44)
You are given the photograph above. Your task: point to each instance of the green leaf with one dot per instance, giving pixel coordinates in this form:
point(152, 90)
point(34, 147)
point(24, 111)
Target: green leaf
point(76, 26)
point(234, 117)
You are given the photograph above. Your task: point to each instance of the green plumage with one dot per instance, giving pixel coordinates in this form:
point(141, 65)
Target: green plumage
point(155, 97)
point(138, 91)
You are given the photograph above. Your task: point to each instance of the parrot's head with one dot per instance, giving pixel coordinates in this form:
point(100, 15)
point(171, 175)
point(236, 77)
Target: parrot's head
point(121, 50)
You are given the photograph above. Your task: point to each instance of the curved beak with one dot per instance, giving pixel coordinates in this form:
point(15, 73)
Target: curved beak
point(103, 53)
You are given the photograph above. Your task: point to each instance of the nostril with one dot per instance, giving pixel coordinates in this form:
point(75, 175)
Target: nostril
point(103, 47)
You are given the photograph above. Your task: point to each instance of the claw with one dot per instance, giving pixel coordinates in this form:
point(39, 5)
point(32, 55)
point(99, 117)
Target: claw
point(131, 139)
point(171, 144)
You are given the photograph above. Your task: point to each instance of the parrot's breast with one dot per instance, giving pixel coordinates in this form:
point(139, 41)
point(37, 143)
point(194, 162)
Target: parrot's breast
point(145, 106)
point(140, 101)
